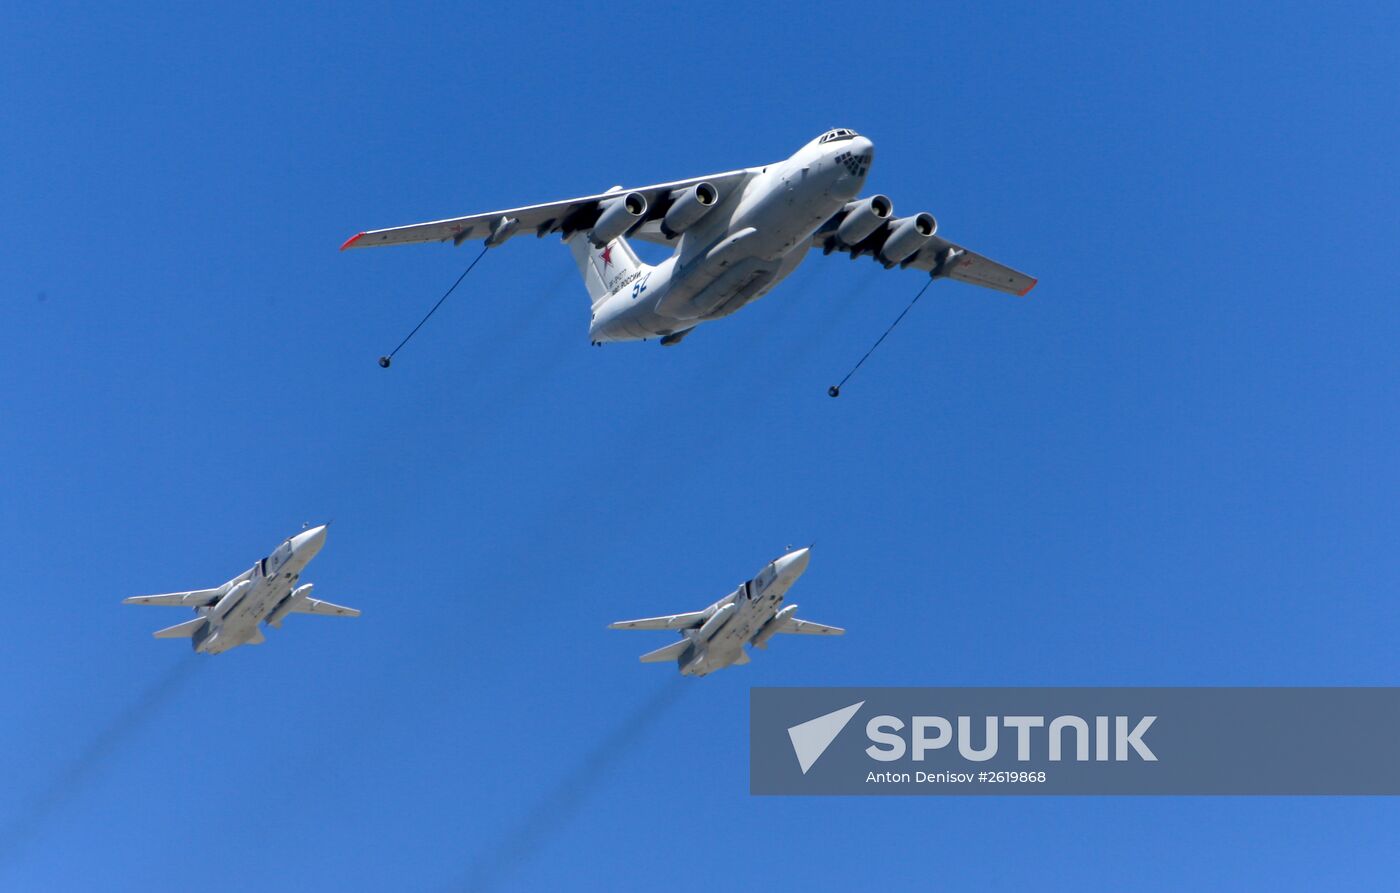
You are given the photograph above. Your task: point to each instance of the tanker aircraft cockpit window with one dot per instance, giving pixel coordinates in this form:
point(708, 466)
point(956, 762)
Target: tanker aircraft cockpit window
point(832, 136)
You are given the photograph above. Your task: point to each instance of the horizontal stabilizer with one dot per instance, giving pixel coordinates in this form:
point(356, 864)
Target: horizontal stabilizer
point(198, 598)
point(180, 630)
point(670, 652)
point(316, 606)
point(675, 621)
point(797, 627)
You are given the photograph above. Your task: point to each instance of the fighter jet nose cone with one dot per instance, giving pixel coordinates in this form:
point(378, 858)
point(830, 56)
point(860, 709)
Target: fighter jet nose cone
point(310, 540)
point(794, 563)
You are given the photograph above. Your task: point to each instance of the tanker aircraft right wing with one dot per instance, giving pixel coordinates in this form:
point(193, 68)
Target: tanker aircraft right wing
point(643, 208)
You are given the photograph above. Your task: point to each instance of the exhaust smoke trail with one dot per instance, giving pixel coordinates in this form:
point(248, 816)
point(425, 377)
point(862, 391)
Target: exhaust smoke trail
point(553, 812)
point(71, 779)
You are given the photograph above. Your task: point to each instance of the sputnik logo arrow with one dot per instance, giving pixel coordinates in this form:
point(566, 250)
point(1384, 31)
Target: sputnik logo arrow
point(810, 739)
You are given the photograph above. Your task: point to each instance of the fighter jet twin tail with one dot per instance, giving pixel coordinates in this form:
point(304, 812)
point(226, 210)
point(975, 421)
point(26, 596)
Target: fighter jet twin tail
point(265, 593)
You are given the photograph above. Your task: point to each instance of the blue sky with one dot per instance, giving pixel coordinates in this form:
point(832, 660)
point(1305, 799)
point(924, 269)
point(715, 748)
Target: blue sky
point(1172, 464)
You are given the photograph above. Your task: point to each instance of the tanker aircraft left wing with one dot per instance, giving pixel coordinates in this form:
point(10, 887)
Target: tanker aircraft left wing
point(566, 217)
point(939, 257)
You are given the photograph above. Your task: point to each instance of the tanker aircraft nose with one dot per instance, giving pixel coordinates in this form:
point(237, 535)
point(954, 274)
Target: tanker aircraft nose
point(849, 155)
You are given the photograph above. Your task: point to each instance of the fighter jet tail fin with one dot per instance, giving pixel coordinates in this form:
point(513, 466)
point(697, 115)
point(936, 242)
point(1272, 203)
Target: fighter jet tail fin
point(670, 652)
point(605, 270)
point(180, 630)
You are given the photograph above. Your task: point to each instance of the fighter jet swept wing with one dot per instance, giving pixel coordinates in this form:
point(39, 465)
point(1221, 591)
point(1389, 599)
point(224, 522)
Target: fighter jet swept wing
point(199, 598)
point(643, 204)
point(675, 621)
point(799, 627)
point(316, 606)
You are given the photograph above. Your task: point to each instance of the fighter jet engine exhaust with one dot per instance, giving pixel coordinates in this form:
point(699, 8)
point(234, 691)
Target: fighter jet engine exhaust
point(387, 359)
point(552, 813)
point(72, 778)
point(835, 390)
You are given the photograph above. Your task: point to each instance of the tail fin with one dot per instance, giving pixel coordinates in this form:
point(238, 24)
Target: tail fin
point(607, 269)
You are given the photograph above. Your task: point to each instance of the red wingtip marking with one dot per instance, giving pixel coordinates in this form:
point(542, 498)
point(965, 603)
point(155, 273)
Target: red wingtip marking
point(1021, 295)
point(351, 241)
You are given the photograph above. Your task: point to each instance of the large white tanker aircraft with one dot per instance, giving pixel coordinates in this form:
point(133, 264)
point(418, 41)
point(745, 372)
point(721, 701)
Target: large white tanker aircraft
point(736, 235)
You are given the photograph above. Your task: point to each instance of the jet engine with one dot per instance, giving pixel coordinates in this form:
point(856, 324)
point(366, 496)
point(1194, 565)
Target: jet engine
point(689, 206)
point(909, 235)
point(619, 216)
point(231, 597)
point(862, 218)
point(715, 621)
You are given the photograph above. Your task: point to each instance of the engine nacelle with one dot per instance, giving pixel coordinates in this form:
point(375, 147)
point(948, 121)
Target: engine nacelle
point(862, 218)
point(910, 234)
point(619, 216)
point(233, 595)
point(285, 606)
point(717, 620)
point(770, 629)
point(690, 205)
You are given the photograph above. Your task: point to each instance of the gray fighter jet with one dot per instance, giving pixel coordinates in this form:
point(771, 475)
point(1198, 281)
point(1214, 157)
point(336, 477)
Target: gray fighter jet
point(714, 638)
point(265, 593)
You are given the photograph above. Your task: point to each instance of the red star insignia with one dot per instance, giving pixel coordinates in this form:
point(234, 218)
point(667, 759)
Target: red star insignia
point(607, 256)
